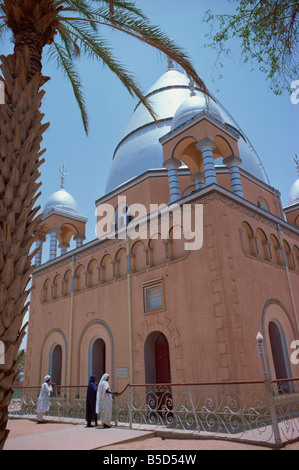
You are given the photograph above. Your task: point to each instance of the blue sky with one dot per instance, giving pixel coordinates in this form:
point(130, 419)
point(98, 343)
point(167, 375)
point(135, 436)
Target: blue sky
point(269, 121)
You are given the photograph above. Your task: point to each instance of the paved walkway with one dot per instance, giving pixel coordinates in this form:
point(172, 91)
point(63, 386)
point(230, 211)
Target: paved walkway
point(26, 434)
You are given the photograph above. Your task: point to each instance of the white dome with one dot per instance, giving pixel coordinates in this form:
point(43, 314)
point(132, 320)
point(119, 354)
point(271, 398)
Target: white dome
point(294, 194)
point(63, 201)
point(140, 149)
point(192, 107)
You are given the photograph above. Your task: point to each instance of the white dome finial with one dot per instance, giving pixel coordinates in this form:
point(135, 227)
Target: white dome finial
point(63, 173)
point(170, 64)
point(296, 161)
point(191, 86)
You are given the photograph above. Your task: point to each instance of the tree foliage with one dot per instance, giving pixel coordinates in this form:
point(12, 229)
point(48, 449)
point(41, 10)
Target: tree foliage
point(268, 30)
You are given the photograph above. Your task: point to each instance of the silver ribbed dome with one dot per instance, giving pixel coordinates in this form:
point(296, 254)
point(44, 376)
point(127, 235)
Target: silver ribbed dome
point(294, 194)
point(140, 149)
point(63, 201)
point(192, 107)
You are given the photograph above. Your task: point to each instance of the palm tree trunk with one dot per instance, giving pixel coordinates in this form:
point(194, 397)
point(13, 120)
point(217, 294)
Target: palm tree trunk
point(21, 132)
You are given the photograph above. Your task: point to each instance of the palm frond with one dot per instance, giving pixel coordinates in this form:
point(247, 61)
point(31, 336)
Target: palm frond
point(65, 62)
point(142, 30)
point(97, 48)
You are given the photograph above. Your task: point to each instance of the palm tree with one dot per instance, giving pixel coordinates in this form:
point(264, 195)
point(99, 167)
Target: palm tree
point(64, 28)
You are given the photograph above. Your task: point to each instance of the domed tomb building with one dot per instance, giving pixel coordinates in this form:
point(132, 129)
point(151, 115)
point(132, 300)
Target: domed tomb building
point(151, 303)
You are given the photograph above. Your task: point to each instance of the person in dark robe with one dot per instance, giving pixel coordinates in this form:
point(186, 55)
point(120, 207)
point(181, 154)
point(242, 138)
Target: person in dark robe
point(91, 397)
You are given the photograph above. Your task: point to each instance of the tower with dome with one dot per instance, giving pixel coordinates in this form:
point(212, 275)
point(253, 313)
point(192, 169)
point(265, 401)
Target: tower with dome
point(61, 221)
point(148, 310)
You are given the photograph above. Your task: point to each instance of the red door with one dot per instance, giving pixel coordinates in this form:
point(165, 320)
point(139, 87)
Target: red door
point(164, 396)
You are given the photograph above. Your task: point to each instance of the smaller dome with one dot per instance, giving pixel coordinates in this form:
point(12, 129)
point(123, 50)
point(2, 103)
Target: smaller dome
point(294, 194)
point(63, 201)
point(191, 107)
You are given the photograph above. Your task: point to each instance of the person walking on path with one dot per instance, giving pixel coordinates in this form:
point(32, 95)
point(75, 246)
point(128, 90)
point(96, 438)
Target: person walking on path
point(104, 401)
point(91, 398)
point(43, 402)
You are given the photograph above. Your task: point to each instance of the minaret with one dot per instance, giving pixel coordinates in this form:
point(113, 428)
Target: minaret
point(61, 221)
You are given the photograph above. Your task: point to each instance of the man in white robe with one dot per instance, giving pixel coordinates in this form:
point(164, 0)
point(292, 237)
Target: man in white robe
point(104, 401)
point(43, 402)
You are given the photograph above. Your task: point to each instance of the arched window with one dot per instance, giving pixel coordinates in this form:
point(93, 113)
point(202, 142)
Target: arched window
point(122, 216)
point(189, 190)
point(262, 203)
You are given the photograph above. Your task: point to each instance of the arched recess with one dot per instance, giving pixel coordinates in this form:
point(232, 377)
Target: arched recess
point(276, 250)
point(106, 268)
point(157, 359)
point(92, 273)
point(79, 279)
point(67, 231)
point(279, 333)
point(288, 255)
point(46, 291)
point(262, 245)
point(296, 256)
point(163, 324)
point(92, 331)
point(247, 239)
point(121, 263)
point(223, 148)
point(157, 371)
point(157, 253)
point(57, 287)
point(185, 150)
point(138, 257)
point(97, 358)
point(176, 243)
point(52, 339)
point(55, 363)
point(67, 283)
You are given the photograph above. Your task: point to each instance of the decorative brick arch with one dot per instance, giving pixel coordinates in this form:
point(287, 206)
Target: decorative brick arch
point(159, 322)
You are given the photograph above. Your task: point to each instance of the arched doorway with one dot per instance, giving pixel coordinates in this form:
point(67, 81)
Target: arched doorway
point(157, 371)
point(279, 353)
point(97, 358)
point(56, 364)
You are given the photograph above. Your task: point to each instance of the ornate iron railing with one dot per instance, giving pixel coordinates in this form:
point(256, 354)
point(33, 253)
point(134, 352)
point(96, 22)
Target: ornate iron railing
point(263, 412)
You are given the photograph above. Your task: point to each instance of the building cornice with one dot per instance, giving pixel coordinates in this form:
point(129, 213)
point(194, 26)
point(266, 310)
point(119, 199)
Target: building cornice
point(205, 196)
